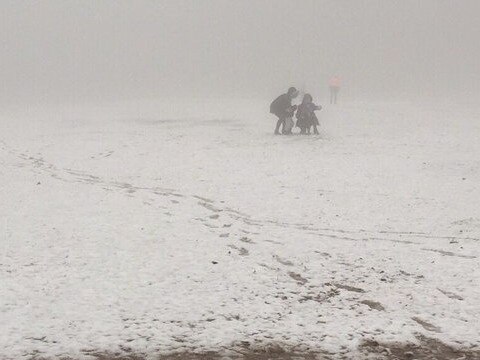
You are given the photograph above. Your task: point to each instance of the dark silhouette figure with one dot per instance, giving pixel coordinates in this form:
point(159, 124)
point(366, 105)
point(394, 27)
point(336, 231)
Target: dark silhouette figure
point(282, 108)
point(306, 115)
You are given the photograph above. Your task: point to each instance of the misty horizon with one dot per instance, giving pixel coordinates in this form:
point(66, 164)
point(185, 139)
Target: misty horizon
point(72, 50)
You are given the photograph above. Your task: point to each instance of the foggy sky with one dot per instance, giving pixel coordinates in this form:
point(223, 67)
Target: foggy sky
point(79, 49)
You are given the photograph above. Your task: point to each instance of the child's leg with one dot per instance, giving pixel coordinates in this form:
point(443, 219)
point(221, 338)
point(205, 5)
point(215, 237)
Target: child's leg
point(315, 130)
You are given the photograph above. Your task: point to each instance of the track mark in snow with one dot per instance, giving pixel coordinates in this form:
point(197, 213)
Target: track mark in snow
point(348, 288)
point(395, 241)
point(210, 207)
point(297, 277)
point(275, 242)
point(451, 295)
point(449, 253)
point(426, 325)
point(82, 174)
point(59, 174)
point(373, 305)
point(247, 240)
point(241, 251)
point(282, 261)
point(323, 253)
point(386, 232)
point(320, 297)
point(236, 212)
point(268, 267)
point(64, 174)
point(203, 199)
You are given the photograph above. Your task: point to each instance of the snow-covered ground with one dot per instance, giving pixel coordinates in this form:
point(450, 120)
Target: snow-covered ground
point(167, 227)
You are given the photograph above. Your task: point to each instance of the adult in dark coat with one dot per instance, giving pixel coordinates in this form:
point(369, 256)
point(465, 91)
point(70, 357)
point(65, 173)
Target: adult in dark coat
point(282, 108)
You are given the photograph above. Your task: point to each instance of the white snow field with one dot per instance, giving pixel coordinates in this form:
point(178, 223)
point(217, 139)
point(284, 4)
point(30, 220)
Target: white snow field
point(163, 227)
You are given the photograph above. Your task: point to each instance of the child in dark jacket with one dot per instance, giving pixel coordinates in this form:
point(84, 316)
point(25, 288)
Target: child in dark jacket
point(306, 115)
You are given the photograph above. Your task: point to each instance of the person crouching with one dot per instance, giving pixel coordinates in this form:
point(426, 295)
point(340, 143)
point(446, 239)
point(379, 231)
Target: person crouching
point(282, 108)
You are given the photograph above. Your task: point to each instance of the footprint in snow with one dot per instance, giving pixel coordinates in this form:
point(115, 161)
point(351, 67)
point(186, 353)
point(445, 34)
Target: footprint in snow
point(298, 278)
point(283, 261)
point(373, 305)
point(241, 251)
